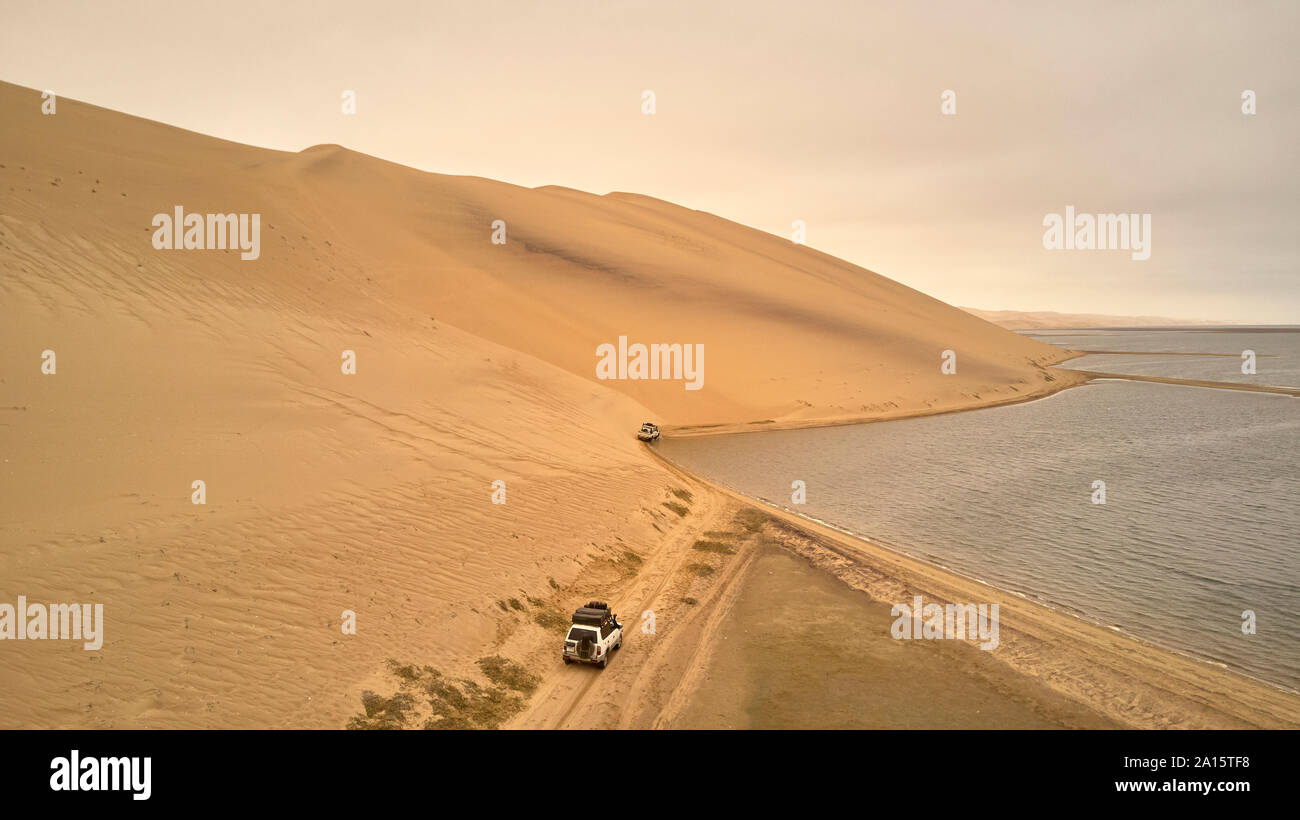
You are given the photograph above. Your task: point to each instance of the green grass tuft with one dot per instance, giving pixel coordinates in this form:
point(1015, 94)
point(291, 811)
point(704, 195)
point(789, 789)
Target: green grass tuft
point(383, 713)
point(680, 509)
point(550, 619)
point(750, 519)
point(447, 704)
point(507, 673)
point(713, 546)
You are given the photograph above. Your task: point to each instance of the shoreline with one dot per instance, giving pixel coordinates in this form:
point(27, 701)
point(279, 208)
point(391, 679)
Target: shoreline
point(1195, 688)
point(1028, 598)
point(748, 635)
point(1097, 375)
point(1090, 376)
point(1063, 379)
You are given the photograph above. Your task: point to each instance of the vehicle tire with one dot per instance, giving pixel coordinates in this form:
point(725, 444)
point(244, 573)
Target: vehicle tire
point(604, 662)
point(567, 661)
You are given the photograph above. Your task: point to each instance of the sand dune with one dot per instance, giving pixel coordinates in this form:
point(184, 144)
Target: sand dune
point(372, 492)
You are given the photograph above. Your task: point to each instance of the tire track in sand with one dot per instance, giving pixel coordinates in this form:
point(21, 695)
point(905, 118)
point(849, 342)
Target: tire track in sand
point(565, 700)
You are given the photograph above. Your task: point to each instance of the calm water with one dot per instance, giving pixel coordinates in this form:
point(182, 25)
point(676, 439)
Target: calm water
point(1277, 353)
point(1200, 521)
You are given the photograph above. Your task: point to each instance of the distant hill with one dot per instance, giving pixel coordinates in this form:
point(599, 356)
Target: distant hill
point(1049, 319)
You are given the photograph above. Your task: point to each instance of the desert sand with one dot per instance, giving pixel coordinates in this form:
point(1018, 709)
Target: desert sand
point(372, 492)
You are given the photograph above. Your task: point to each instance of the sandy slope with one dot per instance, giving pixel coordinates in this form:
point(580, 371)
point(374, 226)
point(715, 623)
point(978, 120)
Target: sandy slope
point(324, 493)
point(789, 331)
point(371, 492)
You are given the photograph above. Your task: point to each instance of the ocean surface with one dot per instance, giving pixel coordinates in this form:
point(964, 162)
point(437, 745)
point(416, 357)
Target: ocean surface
point(1202, 494)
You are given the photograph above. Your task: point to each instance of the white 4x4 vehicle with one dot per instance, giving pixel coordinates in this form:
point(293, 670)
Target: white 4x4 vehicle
point(594, 635)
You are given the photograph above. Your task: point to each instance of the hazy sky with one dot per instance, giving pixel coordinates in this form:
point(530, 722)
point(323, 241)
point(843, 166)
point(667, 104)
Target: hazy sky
point(773, 112)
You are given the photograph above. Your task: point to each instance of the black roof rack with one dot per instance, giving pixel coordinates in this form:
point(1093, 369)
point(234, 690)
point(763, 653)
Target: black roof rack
point(595, 613)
